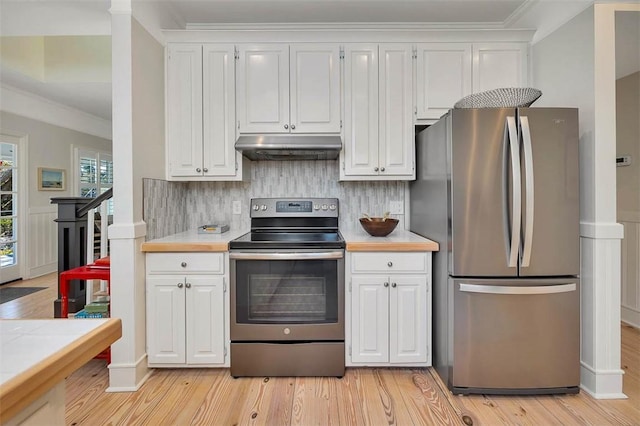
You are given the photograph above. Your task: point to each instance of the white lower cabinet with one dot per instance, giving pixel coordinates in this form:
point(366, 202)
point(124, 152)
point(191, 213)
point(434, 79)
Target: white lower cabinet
point(186, 315)
point(389, 306)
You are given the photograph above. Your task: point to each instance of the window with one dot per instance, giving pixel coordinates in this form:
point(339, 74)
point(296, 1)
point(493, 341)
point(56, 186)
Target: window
point(95, 174)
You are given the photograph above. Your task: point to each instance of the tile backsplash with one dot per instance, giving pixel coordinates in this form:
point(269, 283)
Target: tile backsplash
point(171, 207)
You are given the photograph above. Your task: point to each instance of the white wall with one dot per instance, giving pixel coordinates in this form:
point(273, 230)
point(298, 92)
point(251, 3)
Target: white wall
point(628, 189)
point(48, 146)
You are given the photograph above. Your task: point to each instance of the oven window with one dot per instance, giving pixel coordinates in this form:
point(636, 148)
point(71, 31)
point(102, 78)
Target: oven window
point(287, 291)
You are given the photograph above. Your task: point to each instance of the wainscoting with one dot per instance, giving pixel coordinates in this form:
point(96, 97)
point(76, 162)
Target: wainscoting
point(630, 271)
point(42, 241)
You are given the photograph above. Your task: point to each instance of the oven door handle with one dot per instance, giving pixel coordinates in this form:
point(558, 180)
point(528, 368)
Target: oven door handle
point(286, 256)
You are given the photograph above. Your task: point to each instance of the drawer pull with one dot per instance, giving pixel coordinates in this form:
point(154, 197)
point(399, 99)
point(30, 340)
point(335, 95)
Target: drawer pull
point(386, 284)
point(183, 264)
point(389, 264)
point(180, 285)
point(394, 285)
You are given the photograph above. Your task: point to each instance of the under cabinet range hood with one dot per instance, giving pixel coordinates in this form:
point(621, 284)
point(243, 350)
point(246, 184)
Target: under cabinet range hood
point(289, 147)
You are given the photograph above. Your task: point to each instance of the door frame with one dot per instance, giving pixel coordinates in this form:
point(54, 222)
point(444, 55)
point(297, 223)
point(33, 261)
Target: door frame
point(23, 193)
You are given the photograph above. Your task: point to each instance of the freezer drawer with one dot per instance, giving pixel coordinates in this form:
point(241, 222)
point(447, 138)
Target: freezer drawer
point(516, 336)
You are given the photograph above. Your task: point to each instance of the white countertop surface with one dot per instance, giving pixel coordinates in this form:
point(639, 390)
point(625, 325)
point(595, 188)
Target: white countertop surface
point(24, 343)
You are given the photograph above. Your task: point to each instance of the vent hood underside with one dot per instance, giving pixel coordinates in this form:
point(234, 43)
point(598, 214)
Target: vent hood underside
point(289, 147)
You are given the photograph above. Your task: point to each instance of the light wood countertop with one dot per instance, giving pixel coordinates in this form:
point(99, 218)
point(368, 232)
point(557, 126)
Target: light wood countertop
point(36, 355)
point(191, 241)
point(398, 240)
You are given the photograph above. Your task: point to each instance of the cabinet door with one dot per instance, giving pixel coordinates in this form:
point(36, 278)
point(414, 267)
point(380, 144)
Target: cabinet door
point(263, 88)
point(219, 110)
point(360, 153)
point(205, 320)
point(184, 109)
point(396, 138)
point(443, 77)
point(408, 319)
point(499, 65)
point(369, 318)
point(315, 88)
point(166, 320)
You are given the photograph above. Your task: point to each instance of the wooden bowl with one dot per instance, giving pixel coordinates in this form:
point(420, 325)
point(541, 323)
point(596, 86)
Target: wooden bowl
point(377, 227)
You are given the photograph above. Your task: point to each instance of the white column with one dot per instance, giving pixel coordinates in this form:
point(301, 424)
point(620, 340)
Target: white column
point(128, 368)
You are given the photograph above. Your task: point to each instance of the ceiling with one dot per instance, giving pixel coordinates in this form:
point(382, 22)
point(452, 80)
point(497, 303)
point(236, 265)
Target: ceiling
point(85, 18)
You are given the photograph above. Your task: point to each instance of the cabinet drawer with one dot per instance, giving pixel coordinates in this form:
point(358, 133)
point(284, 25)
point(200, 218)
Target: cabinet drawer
point(185, 263)
point(388, 262)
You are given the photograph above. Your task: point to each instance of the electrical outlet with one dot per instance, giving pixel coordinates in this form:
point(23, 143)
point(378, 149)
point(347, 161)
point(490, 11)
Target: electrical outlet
point(396, 207)
point(237, 207)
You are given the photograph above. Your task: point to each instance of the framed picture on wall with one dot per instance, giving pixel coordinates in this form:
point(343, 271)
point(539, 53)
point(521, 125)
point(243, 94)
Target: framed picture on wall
point(51, 179)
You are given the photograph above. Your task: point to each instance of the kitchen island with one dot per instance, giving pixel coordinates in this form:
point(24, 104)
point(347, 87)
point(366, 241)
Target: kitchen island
point(35, 358)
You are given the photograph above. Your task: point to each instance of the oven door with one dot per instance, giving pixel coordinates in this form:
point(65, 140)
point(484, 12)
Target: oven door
point(286, 296)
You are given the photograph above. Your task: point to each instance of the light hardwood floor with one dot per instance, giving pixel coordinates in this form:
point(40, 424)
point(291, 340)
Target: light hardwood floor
point(365, 396)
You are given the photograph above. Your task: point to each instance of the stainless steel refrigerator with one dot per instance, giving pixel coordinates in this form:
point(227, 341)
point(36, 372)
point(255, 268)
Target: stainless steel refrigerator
point(498, 190)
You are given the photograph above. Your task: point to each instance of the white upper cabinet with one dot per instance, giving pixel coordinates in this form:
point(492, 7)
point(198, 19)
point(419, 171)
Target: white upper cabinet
point(378, 108)
point(499, 65)
point(201, 112)
point(443, 77)
point(289, 88)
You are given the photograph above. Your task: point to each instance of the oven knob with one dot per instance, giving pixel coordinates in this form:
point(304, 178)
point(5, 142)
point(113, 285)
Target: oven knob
point(256, 207)
point(287, 331)
point(332, 207)
point(324, 207)
point(316, 206)
point(263, 207)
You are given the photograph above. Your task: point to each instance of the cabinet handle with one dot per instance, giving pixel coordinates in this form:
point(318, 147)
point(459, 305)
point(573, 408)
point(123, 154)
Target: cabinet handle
point(183, 264)
point(386, 284)
point(389, 264)
point(375, 169)
point(180, 285)
point(293, 127)
point(188, 285)
point(382, 169)
point(205, 170)
point(286, 126)
point(198, 170)
point(394, 285)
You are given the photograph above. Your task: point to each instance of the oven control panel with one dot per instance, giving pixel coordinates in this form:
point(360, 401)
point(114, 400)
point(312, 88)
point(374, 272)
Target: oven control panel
point(294, 207)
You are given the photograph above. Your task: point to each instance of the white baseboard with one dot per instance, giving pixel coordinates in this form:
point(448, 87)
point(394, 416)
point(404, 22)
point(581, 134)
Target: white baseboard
point(41, 270)
point(630, 316)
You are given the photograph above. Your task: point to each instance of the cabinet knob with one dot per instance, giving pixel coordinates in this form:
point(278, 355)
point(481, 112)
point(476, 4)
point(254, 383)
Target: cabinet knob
point(286, 126)
point(375, 169)
point(389, 264)
point(205, 170)
point(293, 127)
point(188, 285)
point(394, 285)
point(183, 264)
point(382, 169)
point(180, 285)
point(198, 170)
point(386, 284)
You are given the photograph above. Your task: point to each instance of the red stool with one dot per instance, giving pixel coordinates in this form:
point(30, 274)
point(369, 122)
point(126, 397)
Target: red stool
point(100, 270)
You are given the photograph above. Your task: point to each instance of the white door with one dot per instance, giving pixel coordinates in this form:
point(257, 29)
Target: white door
point(396, 137)
point(370, 318)
point(360, 155)
point(443, 77)
point(166, 320)
point(205, 320)
point(498, 65)
point(408, 319)
point(263, 88)
point(10, 239)
point(219, 110)
point(184, 109)
point(315, 88)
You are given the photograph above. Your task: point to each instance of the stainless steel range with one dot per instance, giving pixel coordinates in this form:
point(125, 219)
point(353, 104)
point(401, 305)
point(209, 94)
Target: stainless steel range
point(287, 290)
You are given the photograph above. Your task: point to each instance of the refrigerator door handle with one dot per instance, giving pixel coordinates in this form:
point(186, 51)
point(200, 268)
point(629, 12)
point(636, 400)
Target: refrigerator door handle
point(512, 224)
point(529, 201)
point(498, 289)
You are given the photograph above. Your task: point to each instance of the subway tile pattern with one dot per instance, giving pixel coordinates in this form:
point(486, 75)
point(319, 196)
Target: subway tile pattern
point(171, 207)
